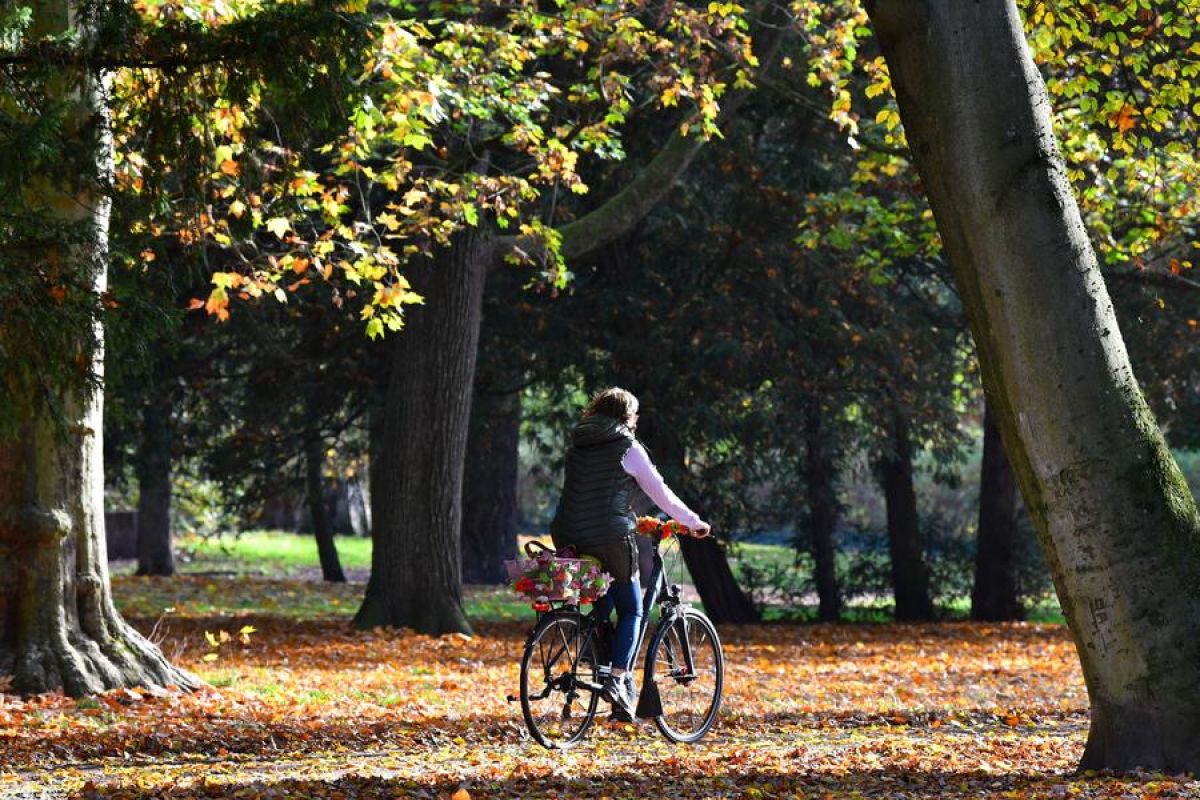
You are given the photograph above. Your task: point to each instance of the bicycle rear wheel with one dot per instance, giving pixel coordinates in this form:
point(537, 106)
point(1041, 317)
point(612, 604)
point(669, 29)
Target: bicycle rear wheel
point(687, 666)
point(557, 710)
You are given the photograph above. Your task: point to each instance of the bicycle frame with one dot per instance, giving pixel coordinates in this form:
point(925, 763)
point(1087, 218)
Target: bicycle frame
point(650, 599)
point(652, 596)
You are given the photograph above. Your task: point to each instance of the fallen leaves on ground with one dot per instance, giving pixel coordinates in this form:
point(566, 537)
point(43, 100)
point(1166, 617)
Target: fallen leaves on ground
point(312, 708)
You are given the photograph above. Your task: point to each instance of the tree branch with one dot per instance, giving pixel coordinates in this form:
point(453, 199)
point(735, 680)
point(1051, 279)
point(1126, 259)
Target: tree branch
point(627, 207)
point(1145, 277)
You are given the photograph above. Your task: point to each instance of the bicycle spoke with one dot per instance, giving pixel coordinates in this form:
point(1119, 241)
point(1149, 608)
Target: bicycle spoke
point(687, 670)
point(557, 710)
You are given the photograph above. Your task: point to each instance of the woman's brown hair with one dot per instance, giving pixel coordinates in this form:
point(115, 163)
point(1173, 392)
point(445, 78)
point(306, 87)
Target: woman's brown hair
point(617, 403)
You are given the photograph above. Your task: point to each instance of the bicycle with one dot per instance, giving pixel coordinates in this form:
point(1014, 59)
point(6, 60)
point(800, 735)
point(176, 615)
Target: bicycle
point(560, 667)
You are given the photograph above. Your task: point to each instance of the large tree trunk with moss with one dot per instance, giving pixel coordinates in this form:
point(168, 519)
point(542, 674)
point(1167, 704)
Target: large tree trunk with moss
point(155, 554)
point(822, 513)
point(416, 494)
point(910, 575)
point(1112, 511)
point(489, 526)
point(994, 594)
point(58, 626)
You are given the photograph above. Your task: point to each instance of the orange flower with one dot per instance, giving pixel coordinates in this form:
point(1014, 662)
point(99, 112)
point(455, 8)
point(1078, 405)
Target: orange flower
point(648, 526)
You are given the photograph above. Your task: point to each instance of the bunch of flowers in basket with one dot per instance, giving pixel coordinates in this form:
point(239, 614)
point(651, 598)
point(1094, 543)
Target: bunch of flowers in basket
point(548, 576)
point(654, 528)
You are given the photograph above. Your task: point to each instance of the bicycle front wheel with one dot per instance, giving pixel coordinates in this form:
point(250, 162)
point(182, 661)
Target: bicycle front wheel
point(686, 664)
point(557, 710)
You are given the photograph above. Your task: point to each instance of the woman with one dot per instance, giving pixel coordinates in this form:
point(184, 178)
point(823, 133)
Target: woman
point(605, 466)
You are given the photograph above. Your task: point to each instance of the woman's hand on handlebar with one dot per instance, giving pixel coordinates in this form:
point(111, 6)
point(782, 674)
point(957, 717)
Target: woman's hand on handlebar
point(702, 531)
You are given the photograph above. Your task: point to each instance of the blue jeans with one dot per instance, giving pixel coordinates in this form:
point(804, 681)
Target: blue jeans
point(627, 597)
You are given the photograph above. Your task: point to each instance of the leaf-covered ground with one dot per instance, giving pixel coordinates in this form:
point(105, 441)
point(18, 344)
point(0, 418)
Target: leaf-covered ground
point(306, 707)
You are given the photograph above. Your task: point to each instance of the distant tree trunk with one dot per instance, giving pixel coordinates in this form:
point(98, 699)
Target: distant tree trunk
point(724, 601)
point(416, 496)
point(155, 556)
point(58, 626)
point(314, 464)
point(489, 526)
point(819, 471)
point(994, 595)
point(1113, 513)
point(910, 575)
point(314, 453)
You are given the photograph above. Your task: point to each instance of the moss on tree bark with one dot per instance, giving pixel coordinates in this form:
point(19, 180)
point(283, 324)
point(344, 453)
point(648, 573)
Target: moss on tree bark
point(58, 626)
point(1112, 511)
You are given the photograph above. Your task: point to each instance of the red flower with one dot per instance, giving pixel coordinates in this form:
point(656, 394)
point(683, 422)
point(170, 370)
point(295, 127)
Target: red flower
point(674, 528)
point(648, 526)
point(525, 585)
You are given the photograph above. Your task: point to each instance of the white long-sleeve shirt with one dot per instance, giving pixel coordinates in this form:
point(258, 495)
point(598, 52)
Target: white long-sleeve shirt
point(637, 464)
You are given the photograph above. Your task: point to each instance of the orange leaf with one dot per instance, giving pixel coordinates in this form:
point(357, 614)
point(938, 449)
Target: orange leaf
point(461, 794)
point(1124, 118)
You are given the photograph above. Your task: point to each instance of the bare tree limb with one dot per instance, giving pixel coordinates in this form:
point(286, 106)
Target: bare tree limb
point(624, 209)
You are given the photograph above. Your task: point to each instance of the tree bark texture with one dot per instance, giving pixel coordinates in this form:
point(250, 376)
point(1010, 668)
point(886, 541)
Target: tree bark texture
point(489, 526)
point(1112, 511)
point(155, 554)
point(416, 493)
point(819, 472)
point(994, 594)
point(58, 626)
point(910, 574)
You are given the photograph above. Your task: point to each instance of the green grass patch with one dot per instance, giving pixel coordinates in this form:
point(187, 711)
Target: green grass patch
point(270, 552)
point(276, 554)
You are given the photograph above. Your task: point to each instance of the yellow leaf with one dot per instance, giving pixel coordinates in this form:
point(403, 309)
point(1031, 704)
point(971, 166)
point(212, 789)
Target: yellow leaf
point(210, 657)
point(279, 226)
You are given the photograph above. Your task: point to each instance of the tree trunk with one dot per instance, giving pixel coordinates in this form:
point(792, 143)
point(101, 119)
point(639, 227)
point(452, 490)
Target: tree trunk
point(724, 601)
point(314, 452)
point(910, 575)
point(489, 526)
point(58, 626)
point(314, 486)
point(155, 556)
point(994, 595)
point(1112, 511)
point(416, 495)
point(819, 471)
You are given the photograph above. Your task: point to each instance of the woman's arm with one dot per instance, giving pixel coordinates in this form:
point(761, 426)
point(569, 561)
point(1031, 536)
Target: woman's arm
point(637, 463)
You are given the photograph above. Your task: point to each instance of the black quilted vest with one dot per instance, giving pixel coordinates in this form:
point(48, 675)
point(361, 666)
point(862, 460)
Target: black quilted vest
point(597, 497)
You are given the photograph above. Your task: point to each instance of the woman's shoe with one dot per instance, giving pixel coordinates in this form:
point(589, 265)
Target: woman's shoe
point(617, 692)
